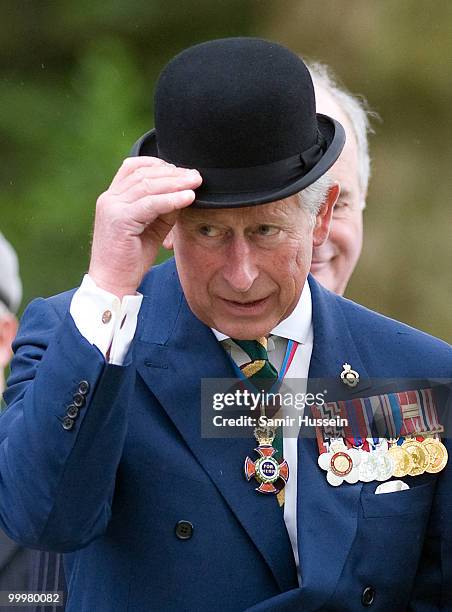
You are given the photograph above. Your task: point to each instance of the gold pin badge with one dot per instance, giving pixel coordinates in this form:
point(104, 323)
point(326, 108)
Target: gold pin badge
point(348, 376)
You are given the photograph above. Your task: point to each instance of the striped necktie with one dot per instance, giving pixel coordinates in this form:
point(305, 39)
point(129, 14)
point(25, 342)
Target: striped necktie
point(259, 371)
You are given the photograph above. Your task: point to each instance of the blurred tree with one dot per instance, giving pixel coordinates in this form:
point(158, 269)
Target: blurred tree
point(397, 54)
point(76, 91)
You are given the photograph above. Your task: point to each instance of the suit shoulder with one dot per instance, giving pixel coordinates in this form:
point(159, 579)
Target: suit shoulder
point(161, 273)
point(382, 328)
point(54, 307)
point(41, 318)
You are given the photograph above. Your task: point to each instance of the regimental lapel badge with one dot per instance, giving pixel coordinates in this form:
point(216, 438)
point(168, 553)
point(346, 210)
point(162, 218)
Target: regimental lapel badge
point(271, 473)
point(348, 376)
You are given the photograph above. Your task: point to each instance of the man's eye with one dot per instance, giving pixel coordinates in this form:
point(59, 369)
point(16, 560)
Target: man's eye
point(267, 230)
point(209, 231)
point(340, 208)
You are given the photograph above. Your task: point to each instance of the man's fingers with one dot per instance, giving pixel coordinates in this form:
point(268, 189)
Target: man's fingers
point(139, 174)
point(162, 185)
point(130, 164)
point(159, 179)
point(142, 181)
point(147, 209)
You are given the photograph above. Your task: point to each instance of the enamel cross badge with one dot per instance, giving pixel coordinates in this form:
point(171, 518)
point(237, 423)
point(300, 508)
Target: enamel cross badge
point(271, 474)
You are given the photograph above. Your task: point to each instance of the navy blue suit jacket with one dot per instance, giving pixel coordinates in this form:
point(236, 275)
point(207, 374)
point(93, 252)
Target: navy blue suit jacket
point(110, 491)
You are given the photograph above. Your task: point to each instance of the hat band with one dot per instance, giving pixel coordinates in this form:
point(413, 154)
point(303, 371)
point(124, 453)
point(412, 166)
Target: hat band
point(259, 178)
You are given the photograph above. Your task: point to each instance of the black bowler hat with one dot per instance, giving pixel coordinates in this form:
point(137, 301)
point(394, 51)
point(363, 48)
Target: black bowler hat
point(242, 112)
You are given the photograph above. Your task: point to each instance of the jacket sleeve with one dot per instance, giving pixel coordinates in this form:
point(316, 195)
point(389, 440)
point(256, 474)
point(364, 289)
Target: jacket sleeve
point(57, 474)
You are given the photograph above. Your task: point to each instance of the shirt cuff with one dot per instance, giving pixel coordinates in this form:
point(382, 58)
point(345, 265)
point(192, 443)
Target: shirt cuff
point(104, 320)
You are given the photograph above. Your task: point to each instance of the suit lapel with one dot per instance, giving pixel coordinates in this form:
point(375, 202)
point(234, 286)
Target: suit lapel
point(327, 516)
point(174, 351)
point(334, 344)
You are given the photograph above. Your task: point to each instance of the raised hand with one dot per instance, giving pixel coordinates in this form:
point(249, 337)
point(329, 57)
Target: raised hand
point(133, 218)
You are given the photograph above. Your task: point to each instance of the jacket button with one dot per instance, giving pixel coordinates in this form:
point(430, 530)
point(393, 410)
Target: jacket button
point(72, 411)
point(79, 400)
point(67, 423)
point(83, 387)
point(184, 530)
point(368, 596)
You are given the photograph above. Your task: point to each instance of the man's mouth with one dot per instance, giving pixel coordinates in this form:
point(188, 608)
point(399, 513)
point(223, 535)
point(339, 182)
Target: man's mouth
point(244, 306)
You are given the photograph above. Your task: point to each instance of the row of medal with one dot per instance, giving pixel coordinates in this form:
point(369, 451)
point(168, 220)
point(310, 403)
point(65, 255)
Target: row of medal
point(388, 458)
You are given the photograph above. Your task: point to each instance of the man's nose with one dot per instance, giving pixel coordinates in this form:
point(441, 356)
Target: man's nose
point(240, 270)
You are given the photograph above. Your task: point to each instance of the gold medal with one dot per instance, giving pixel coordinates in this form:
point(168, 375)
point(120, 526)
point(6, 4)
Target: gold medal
point(403, 461)
point(419, 456)
point(437, 454)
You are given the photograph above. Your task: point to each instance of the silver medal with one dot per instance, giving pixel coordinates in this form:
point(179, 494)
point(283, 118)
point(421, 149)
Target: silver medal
point(385, 465)
point(367, 468)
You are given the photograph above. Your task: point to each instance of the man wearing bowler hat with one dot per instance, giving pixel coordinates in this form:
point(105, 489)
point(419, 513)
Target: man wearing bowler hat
point(102, 453)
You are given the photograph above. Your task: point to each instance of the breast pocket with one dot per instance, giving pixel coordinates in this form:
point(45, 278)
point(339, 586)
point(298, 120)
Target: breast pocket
point(416, 500)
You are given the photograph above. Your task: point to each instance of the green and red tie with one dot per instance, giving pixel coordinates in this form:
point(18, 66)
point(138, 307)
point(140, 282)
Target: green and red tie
point(258, 370)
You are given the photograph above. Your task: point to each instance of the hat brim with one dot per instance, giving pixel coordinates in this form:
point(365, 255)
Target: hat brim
point(334, 136)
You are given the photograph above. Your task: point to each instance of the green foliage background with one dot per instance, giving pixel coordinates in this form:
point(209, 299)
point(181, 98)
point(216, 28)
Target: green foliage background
point(76, 90)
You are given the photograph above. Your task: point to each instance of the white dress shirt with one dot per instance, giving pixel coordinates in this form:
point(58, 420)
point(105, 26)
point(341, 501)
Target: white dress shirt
point(104, 320)
point(110, 324)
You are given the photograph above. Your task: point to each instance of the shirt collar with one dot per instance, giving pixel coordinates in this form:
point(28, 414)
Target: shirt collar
point(296, 326)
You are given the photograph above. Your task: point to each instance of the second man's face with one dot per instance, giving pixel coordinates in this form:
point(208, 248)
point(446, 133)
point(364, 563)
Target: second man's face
point(334, 261)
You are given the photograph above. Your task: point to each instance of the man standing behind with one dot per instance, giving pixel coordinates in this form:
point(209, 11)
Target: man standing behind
point(333, 262)
point(14, 560)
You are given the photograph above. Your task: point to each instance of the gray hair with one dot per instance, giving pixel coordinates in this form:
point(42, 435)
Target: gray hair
point(357, 112)
point(312, 197)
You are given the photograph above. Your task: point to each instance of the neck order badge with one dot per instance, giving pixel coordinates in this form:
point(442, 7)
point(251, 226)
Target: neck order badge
point(271, 472)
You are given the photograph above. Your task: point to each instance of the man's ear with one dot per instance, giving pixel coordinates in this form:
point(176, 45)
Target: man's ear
point(323, 218)
point(169, 240)
point(8, 330)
